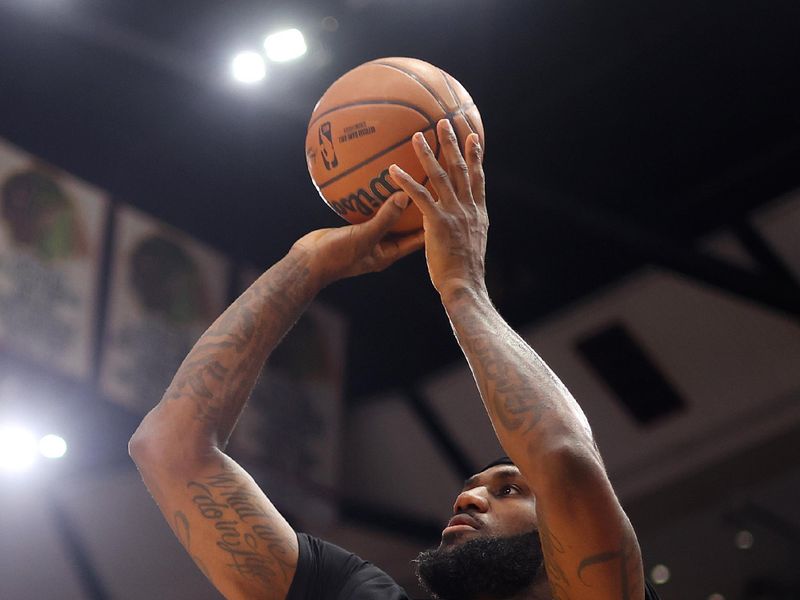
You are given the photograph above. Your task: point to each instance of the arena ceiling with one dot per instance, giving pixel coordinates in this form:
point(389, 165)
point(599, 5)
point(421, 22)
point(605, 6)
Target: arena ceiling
point(609, 129)
point(618, 137)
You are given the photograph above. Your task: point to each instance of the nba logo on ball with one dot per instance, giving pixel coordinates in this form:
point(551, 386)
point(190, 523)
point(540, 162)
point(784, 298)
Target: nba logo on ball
point(365, 121)
point(326, 145)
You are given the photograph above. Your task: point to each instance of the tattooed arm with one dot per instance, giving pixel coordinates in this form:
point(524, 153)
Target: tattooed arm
point(590, 549)
point(221, 517)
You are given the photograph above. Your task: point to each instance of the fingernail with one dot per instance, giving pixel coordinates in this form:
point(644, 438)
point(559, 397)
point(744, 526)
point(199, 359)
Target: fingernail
point(401, 200)
point(395, 169)
point(448, 125)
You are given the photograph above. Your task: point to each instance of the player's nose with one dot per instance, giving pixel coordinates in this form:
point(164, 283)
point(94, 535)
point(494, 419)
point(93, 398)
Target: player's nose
point(474, 498)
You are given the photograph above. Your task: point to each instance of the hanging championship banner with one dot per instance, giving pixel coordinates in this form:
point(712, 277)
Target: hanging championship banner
point(291, 427)
point(165, 290)
point(51, 237)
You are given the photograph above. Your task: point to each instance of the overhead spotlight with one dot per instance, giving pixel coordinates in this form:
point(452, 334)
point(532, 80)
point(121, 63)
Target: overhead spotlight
point(248, 67)
point(660, 574)
point(330, 24)
point(744, 540)
point(285, 45)
point(52, 446)
point(17, 448)
point(716, 597)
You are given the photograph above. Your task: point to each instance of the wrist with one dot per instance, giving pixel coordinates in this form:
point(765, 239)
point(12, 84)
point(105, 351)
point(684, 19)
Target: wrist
point(459, 290)
point(317, 275)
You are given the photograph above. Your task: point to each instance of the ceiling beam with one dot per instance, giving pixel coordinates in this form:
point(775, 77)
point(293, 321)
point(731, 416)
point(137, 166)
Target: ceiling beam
point(79, 554)
point(450, 449)
point(656, 248)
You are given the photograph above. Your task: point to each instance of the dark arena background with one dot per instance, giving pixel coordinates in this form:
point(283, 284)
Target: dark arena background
point(643, 172)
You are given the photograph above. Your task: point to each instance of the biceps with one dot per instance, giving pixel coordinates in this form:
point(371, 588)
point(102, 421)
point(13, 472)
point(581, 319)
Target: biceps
point(590, 548)
point(229, 527)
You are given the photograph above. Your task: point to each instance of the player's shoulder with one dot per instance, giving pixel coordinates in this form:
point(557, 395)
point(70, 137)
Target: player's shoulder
point(328, 571)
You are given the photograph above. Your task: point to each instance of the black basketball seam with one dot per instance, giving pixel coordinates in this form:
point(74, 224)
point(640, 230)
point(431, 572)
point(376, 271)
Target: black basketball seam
point(355, 167)
point(449, 89)
point(413, 76)
point(431, 126)
point(368, 102)
point(421, 82)
point(457, 102)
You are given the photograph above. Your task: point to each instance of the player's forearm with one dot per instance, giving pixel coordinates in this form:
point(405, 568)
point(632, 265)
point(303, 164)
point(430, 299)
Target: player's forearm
point(209, 390)
point(532, 412)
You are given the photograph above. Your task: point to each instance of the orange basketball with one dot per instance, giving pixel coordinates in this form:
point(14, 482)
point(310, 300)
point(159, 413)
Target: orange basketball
point(365, 121)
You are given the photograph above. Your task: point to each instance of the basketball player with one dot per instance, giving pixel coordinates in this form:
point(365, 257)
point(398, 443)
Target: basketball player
point(541, 524)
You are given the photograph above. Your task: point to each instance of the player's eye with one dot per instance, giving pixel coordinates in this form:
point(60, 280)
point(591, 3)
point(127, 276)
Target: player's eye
point(509, 490)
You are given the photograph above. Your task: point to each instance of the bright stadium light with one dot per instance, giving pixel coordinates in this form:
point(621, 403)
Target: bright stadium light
point(660, 574)
point(285, 45)
point(17, 448)
point(52, 446)
point(248, 67)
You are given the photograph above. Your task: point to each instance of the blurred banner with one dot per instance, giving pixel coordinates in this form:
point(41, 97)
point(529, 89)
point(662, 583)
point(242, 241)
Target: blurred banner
point(291, 428)
point(51, 238)
point(165, 290)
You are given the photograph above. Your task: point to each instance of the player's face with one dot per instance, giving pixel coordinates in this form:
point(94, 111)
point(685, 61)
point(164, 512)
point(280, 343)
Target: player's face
point(495, 502)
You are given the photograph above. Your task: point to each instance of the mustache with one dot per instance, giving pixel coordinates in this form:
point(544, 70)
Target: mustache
point(465, 518)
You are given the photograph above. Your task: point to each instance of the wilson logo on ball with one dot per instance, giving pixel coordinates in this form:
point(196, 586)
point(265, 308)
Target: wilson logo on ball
point(326, 144)
point(362, 200)
point(365, 122)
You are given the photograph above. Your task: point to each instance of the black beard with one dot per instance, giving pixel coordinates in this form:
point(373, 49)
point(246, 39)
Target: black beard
point(494, 567)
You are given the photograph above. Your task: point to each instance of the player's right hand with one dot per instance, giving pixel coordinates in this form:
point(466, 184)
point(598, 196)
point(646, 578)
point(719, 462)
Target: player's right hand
point(454, 217)
point(340, 252)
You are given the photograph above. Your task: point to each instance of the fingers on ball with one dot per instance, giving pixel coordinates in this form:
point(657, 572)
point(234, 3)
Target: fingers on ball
point(416, 191)
point(455, 160)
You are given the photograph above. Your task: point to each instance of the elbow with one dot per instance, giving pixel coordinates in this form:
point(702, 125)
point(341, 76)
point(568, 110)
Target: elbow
point(573, 465)
point(141, 447)
point(150, 443)
point(158, 448)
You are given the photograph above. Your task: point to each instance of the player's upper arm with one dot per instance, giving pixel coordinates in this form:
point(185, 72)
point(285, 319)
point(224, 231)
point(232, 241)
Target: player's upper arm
point(590, 549)
point(228, 526)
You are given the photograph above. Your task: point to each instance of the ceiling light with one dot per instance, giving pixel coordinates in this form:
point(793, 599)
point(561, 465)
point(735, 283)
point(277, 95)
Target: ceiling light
point(285, 45)
point(52, 446)
point(248, 67)
point(17, 448)
point(660, 574)
point(744, 540)
point(330, 24)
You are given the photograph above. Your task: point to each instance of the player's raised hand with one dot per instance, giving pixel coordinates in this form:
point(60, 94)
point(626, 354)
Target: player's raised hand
point(455, 221)
point(340, 252)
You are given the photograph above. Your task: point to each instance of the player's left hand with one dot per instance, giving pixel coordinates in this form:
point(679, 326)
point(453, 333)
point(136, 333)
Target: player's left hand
point(351, 250)
point(456, 221)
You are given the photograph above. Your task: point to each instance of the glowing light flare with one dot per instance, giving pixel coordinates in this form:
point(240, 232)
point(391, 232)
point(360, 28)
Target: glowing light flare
point(248, 67)
point(744, 540)
point(285, 45)
point(17, 448)
point(660, 574)
point(52, 446)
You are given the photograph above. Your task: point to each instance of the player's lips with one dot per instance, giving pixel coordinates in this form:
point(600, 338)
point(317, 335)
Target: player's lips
point(463, 521)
